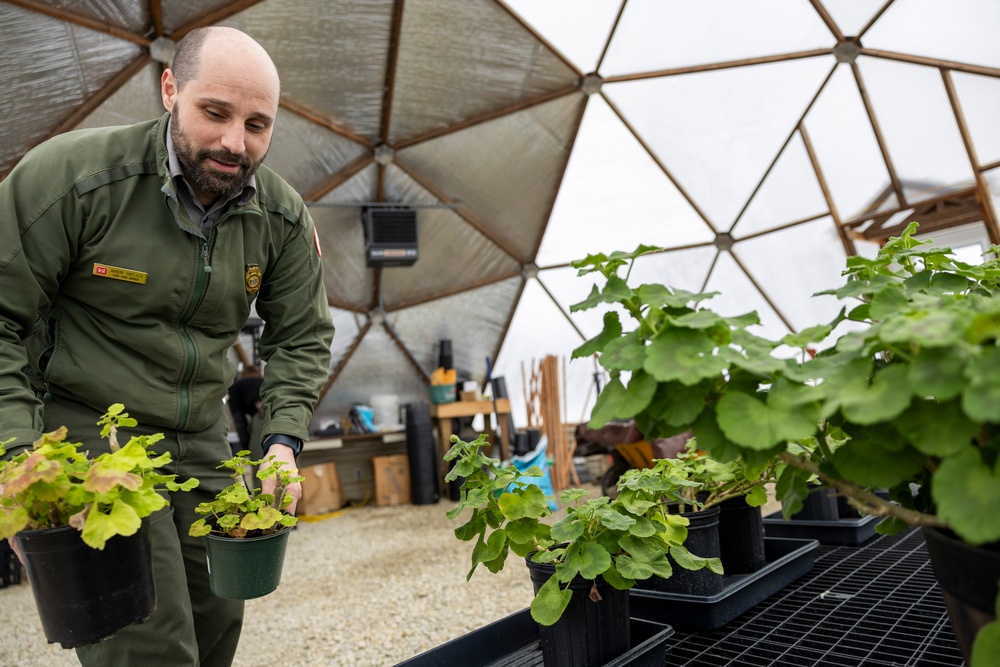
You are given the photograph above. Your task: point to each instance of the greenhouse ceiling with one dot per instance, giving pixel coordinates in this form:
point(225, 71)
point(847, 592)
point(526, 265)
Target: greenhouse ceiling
point(758, 143)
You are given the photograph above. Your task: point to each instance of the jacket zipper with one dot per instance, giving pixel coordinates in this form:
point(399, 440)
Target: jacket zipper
point(200, 287)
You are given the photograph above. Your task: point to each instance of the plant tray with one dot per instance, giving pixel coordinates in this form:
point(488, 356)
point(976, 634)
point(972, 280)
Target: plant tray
point(787, 560)
point(514, 642)
point(856, 530)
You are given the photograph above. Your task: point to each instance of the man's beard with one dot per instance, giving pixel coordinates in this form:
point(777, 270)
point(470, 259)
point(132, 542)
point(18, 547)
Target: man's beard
point(212, 181)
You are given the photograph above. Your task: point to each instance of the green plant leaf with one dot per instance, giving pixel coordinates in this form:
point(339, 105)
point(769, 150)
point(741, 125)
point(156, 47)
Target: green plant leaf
point(981, 397)
point(617, 402)
point(757, 496)
point(587, 559)
point(98, 527)
point(567, 529)
point(522, 531)
point(888, 302)
point(937, 373)
point(753, 423)
point(470, 529)
point(891, 525)
point(530, 503)
point(617, 580)
point(986, 648)
point(936, 327)
point(864, 462)
point(642, 527)
point(677, 404)
point(612, 330)
point(550, 602)
point(937, 429)
point(685, 355)
point(689, 561)
point(626, 353)
point(967, 494)
point(885, 398)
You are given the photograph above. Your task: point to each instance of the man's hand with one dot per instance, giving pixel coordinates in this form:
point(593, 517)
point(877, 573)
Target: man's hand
point(283, 453)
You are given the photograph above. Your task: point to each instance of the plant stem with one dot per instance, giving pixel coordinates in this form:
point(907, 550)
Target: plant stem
point(868, 501)
point(113, 436)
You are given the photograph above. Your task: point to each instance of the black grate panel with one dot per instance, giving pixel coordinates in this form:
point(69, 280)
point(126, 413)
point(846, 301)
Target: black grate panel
point(873, 605)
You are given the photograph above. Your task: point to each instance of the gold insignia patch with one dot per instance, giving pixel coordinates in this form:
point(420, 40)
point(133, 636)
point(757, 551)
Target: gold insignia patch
point(253, 278)
point(118, 273)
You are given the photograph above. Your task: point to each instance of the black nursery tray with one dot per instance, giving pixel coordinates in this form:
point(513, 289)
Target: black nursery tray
point(786, 561)
point(514, 642)
point(852, 530)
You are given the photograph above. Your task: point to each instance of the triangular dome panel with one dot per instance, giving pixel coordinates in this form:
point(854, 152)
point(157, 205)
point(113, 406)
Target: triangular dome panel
point(611, 179)
point(350, 96)
point(138, 99)
point(59, 66)
point(442, 236)
point(786, 195)
point(472, 320)
point(539, 329)
point(581, 41)
point(438, 84)
point(305, 153)
point(377, 356)
point(851, 16)
point(525, 151)
point(738, 295)
point(819, 258)
point(718, 132)
point(960, 30)
point(920, 129)
point(980, 99)
point(849, 157)
point(654, 35)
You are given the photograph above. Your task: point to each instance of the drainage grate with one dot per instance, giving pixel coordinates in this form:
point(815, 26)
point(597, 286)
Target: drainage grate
point(872, 605)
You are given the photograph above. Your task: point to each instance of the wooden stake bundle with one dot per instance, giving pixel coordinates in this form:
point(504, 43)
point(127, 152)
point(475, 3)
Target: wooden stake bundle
point(558, 447)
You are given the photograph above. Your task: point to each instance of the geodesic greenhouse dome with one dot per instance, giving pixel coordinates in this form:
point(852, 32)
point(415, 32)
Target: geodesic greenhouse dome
point(758, 143)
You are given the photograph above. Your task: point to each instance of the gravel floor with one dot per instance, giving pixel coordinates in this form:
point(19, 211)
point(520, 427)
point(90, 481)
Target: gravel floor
point(369, 587)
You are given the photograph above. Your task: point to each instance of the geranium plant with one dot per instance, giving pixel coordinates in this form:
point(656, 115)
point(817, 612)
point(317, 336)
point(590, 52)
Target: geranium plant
point(621, 540)
point(239, 511)
point(910, 401)
point(55, 484)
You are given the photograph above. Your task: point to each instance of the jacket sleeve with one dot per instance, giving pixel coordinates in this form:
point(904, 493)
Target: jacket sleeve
point(37, 219)
point(298, 331)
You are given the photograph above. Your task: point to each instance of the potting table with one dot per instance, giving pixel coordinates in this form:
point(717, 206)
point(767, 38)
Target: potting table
point(876, 604)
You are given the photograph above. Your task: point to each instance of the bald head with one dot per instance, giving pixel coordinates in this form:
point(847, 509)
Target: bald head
point(218, 43)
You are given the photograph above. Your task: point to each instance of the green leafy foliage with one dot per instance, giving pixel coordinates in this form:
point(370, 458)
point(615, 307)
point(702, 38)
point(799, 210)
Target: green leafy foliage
point(620, 540)
point(239, 512)
point(55, 484)
point(908, 400)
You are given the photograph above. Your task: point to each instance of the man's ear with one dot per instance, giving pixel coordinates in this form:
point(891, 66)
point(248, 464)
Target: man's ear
point(168, 89)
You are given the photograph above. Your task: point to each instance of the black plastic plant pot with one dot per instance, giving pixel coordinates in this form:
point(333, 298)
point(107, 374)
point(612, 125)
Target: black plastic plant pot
point(968, 578)
point(819, 505)
point(245, 568)
point(702, 540)
point(741, 536)
point(590, 632)
point(84, 595)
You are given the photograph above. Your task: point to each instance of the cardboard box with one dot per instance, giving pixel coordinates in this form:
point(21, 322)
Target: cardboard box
point(392, 479)
point(320, 490)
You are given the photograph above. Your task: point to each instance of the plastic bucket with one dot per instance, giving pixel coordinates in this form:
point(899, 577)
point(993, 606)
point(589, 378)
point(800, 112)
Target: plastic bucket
point(84, 595)
point(245, 568)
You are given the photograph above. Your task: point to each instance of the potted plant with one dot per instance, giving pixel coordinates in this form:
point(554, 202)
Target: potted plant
point(581, 566)
point(723, 506)
point(910, 402)
point(80, 527)
point(247, 530)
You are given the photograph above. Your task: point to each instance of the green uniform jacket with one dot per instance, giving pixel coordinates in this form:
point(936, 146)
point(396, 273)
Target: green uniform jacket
point(106, 295)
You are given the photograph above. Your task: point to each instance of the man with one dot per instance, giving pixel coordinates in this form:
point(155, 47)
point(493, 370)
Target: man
point(244, 406)
point(129, 262)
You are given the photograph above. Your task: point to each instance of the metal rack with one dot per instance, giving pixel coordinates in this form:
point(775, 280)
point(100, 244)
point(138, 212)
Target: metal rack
point(875, 605)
